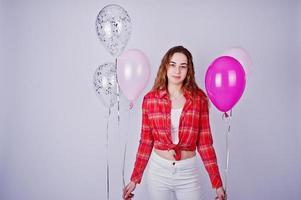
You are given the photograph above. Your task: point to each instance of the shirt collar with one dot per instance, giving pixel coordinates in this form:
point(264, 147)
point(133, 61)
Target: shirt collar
point(162, 93)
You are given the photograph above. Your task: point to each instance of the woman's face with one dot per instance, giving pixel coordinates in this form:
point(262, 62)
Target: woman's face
point(177, 69)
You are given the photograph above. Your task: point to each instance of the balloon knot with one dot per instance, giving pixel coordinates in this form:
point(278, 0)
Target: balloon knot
point(131, 105)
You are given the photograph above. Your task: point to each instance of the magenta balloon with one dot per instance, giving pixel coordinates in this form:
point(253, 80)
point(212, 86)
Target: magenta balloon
point(133, 72)
point(225, 82)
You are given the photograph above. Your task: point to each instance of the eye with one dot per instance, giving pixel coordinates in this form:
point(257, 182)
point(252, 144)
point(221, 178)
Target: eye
point(172, 64)
point(183, 66)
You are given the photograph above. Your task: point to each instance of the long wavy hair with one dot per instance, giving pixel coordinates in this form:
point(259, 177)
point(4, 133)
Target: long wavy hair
point(189, 82)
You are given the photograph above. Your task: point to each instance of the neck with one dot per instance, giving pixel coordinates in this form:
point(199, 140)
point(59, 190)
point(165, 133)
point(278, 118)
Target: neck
point(172, 89)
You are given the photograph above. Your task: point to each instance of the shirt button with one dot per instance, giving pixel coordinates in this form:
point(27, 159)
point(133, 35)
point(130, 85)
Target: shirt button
point(173, 163)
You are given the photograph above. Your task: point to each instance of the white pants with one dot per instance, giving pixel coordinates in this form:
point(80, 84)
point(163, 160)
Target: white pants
point(170, 180)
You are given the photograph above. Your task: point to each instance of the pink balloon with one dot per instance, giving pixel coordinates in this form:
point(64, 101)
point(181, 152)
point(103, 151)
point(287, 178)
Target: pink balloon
point(133, 72)
point(225, 82)
point(242, 56)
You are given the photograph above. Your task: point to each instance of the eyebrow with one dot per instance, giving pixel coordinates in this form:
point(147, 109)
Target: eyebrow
point(180, 64)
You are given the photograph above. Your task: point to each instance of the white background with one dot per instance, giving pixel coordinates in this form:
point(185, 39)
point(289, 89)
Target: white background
point(53, 126)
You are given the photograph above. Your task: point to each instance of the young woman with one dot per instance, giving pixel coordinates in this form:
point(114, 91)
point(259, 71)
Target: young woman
point(175, 123)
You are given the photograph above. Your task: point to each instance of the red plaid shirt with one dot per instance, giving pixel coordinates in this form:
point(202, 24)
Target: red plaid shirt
point(194, 132)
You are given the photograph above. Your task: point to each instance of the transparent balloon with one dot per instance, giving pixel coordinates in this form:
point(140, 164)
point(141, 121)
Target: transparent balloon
point(113, 27)
point(105, 84)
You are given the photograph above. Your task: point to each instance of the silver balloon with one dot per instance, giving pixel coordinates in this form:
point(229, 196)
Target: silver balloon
point(113, 27)
point(105, 84)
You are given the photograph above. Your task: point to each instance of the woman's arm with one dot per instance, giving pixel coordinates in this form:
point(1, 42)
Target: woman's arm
point(205, 146)
point(143, 153)
point(145, 145)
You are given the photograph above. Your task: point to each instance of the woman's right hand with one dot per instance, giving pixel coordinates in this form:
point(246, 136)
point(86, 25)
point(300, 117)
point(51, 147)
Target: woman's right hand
point(128, 189)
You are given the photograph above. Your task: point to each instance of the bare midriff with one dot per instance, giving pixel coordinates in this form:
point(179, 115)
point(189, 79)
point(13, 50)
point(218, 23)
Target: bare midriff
point(169, 154)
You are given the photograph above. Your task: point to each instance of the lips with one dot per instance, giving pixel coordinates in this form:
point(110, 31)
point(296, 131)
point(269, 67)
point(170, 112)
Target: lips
point(176, 77)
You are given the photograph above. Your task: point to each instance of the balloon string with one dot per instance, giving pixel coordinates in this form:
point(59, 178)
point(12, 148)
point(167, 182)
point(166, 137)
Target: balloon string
point(118, 111)
point(227, 117)
point(124, 152)
point(118, 95)
point(123, 164)
point(107, 152)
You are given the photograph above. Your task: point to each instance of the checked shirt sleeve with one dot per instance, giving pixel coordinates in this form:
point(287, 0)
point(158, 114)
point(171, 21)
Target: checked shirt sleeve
point(206, 149)
point(145, 146)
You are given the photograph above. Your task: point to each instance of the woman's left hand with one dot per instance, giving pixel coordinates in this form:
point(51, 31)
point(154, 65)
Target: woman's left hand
point(220, 193)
